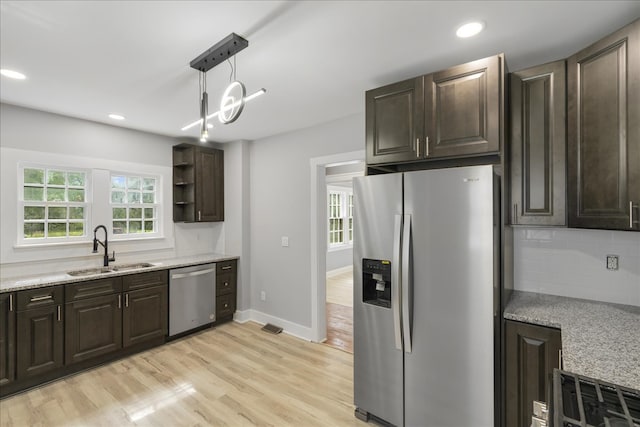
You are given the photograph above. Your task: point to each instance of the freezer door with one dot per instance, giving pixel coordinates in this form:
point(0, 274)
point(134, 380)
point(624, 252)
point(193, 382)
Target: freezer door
point(377, 350)
point(449, 371)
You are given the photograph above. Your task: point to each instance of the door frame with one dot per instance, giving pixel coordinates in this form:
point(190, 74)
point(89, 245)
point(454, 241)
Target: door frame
point(318, 228)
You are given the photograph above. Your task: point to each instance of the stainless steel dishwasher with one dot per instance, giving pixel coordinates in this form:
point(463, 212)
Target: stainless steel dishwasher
point(192, 297)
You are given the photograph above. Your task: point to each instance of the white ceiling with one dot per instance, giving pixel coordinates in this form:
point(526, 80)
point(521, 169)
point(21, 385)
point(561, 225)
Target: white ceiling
point(315, 58)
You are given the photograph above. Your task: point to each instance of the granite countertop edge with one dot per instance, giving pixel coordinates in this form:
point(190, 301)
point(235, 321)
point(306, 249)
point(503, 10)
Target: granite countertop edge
point(599, 339)
point(62, 278)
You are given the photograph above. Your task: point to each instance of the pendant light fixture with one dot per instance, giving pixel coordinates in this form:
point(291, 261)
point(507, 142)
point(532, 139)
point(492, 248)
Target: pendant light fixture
point(234, 97)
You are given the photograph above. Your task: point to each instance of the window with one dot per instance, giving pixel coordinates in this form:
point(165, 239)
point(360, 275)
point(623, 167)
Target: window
point(134, 204)
point(340, 213)
point(53, 204)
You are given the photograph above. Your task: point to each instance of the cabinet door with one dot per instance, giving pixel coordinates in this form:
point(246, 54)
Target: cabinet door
point(209, 185)
point(532, 352)
point(40, 347)
point(604, 132)
point(145, 315)
point(463, 109)
point(7, 338)
point(394, 122)
point(93, 326)
point(538, 154)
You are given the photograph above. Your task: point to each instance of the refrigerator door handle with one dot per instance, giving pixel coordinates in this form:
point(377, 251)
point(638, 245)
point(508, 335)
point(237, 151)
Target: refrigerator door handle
point(396, 280)
point(405, 280)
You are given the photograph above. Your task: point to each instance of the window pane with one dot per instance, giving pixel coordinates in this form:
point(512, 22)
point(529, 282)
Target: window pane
point(57, 229)
point(148, 213)
point(34, 230)
point(76, 213)
point(148, 197)
point(34, 194)
point(76, 195)
point(76, 179)
point(133, 182)
point(34, 176)
point(55, 194)
point(56, 178)
point(119, 227)
point(34, 212)
point(149, 184)
point(117, 182)
point(133, 197)
point(117, 197)
point(57, 213)
point(148, 226)
point(135, 213)
point(76, 229)
point(119, 213)
point(135, 226)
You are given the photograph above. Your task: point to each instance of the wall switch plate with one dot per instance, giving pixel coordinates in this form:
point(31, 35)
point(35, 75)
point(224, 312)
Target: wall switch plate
point(285, 241)
point(612, 262)
point(263, 296)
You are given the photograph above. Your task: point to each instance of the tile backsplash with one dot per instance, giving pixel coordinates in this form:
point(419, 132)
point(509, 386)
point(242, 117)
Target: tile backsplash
point(573, 262)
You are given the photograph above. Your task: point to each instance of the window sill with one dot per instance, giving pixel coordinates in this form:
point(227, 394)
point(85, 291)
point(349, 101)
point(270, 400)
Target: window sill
point(116, 240)
point(337, 248)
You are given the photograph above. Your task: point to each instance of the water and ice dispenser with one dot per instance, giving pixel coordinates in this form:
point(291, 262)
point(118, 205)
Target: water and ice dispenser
point(376, 282)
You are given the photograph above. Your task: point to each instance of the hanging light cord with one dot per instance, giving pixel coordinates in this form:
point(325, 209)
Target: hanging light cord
point(232, 74)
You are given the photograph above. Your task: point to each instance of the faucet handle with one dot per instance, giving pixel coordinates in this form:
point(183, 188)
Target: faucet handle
point(113, 257)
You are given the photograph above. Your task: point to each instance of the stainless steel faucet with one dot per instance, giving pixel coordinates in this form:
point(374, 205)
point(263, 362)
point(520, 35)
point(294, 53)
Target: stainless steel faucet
point(105, 245)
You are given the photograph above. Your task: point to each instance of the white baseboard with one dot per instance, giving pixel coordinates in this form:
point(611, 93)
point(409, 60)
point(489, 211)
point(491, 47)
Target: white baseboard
point(291, 328)
point(340, 270)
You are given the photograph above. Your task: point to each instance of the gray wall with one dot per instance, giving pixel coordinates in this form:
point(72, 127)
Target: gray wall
point(339, 258)
point(280, 206)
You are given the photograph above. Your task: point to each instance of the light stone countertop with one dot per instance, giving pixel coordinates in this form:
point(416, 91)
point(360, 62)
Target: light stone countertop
point(599, 339)
point(61, 278)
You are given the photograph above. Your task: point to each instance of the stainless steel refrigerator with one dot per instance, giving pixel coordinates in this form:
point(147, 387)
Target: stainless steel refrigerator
point(426, 296)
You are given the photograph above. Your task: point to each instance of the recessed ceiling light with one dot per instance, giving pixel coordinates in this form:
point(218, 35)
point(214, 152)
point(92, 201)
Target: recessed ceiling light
point(116, 117)
point(469, 29)
point(12, 74)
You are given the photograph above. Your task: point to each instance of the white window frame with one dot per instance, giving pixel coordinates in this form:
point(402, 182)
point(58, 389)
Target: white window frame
point(156, 205)
point(86, 205)
point(346, 195)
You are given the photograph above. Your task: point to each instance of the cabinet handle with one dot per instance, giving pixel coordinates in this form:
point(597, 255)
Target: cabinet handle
point(59, 313)
point(41, 298)
point(10, 302)
point(226, 305)
point(199, 215)
point(226, 284)
point(126, 300)
point(515, 213)
point(631, 221)
point(560, 359)
point(426, 143)
point(119, 301)
point(418, 147)
point(226, 267)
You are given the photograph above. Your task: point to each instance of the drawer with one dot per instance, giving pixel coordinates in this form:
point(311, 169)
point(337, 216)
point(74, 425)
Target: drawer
point(223, 267)
point(39, 298)
point(92, 288)
point(225, 306)
point(145, 280)
point(225, 284)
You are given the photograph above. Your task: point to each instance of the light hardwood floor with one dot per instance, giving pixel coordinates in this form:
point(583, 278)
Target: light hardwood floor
point(233, 375)
point(340, 288)
point(340, 310)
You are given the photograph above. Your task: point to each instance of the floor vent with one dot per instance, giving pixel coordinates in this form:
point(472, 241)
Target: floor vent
point(272, 328)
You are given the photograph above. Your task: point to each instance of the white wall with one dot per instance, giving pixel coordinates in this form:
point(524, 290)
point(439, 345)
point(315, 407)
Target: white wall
point(571, 262)
point(280, 206)
point(30, 135)
point(338, 258)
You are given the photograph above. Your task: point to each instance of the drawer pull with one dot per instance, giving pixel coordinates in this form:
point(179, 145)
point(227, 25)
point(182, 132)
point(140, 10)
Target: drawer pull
point(226, 305)
point(226, 284)
point(41, 298)
point(226, 267)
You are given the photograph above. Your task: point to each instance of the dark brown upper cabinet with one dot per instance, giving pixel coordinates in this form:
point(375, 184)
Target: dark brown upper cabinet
point(198, 184)
point(457, 112)
point(463, 109)
point(394, 122)
point(604, 133)
point(538, 145)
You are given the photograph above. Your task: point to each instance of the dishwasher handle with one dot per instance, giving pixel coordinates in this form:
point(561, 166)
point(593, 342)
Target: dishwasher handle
point(192, 274)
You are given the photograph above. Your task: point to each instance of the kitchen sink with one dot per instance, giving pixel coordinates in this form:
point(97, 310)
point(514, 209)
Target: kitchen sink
point(114, 268)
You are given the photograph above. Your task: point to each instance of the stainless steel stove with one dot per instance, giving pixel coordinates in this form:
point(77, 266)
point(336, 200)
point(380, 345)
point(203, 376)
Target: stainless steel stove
point(580, 401)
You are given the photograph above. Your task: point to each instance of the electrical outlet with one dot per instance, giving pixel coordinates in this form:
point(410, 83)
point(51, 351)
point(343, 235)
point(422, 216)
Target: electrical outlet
point(285, 241)
point(263, 296)
point(612, 262)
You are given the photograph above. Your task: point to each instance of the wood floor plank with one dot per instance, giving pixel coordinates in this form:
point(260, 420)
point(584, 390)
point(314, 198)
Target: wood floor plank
point(233, 375)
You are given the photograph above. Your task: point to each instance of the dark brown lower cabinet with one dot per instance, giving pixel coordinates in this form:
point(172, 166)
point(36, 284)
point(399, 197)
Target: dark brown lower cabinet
point(41, 340)
point(93, 327)
point(144, 316)
point(7, 338)
point(226, 290)
point(532, 352)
